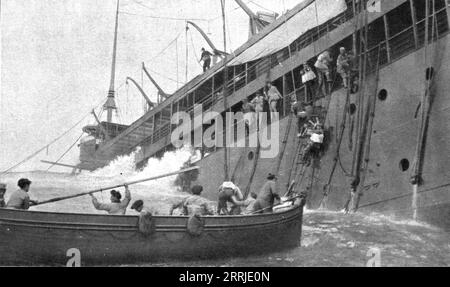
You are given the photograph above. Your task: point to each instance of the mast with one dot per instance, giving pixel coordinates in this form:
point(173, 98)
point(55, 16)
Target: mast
point(110, 104)
point(225, 76)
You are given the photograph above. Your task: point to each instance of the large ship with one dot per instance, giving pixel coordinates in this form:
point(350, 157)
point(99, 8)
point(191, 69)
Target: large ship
point(387, 135)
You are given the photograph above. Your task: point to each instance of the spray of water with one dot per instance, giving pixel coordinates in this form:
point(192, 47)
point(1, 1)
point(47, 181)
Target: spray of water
point(123, 169)
point(156, 194)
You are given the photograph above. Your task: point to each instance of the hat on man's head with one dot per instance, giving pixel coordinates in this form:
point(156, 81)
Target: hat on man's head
point(137, 204)
point(271, 176)
point(23, 182)
point(116, 194)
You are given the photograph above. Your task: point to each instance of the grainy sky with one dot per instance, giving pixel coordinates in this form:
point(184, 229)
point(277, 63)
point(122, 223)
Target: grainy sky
point(56, 59)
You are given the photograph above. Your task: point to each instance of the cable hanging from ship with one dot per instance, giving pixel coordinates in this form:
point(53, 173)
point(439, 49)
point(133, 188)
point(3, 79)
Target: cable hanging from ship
point(426, 105)
point(34, 154)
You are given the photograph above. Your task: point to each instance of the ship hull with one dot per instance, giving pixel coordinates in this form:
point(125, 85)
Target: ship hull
point(387, 187)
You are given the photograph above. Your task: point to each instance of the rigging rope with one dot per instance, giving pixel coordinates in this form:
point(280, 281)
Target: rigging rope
point(164, 17)
point(256, 4)
point(289, 124)
point(193, 46)
point(338, 147)
point(43, 148)
point(367, 132)
point(187, 54)
point(426, 103)
point(432, 189)
point(48, 145)
point(362, 62)
point(165, 48)
point(66, 152)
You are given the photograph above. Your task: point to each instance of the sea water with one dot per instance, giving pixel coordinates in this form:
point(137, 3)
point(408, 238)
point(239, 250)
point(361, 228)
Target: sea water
point(328, 239)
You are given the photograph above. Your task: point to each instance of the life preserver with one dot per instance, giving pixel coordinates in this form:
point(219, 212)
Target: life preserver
point(195, 225)
point(146, 223)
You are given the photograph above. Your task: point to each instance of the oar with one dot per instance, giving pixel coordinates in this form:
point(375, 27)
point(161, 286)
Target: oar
point(116, 186)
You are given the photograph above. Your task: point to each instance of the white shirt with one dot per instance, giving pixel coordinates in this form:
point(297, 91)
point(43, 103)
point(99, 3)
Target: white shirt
point(317, 138)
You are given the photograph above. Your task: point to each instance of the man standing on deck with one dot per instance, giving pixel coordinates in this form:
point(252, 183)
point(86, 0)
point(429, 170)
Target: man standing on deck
point(248, 110)
point(267, 195)
point(116, 207)
point(206, 58)
point(323, 66)
point(2, 194)
point(343, 66)
point(308, 79)
point(20, 199)
point(273, 96)
point(258, 104)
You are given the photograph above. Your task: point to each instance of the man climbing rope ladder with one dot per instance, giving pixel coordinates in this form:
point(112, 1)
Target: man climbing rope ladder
point(315, 141)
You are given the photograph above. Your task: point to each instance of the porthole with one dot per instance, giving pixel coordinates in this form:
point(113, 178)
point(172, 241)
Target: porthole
point(352, 109)
point(382, 95)
point(429, 73)
point(251, 155)
point(404, 165)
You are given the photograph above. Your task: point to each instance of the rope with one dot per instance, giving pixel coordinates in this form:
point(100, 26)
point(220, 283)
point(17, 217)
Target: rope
point(361, 84)
point(193, 46)
point(45, 147)
point(187, 53)
point(338, 147)
point(294, 164)
point(262, 7)
point(284, 142)
point(165, 49)
point(163, 76)
point(51, 143)
point(252, 174)
point(367, 132)
point(165, 17)
point(244, 152)
point(404, 195)
point(420, 147)
point(67, 151)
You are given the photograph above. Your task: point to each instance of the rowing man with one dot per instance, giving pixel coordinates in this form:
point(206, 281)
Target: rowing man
point(2, 194)
point(117, 206)
point(20, 199)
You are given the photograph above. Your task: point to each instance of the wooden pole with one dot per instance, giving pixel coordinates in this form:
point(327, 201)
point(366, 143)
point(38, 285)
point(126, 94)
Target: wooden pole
point(110, 104)
point(118, 185)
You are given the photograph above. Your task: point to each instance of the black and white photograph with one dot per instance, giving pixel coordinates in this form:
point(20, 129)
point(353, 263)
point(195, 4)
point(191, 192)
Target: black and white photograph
point(224, 134)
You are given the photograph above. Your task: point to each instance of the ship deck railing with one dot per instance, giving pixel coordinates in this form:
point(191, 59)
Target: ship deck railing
point(392, 49)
